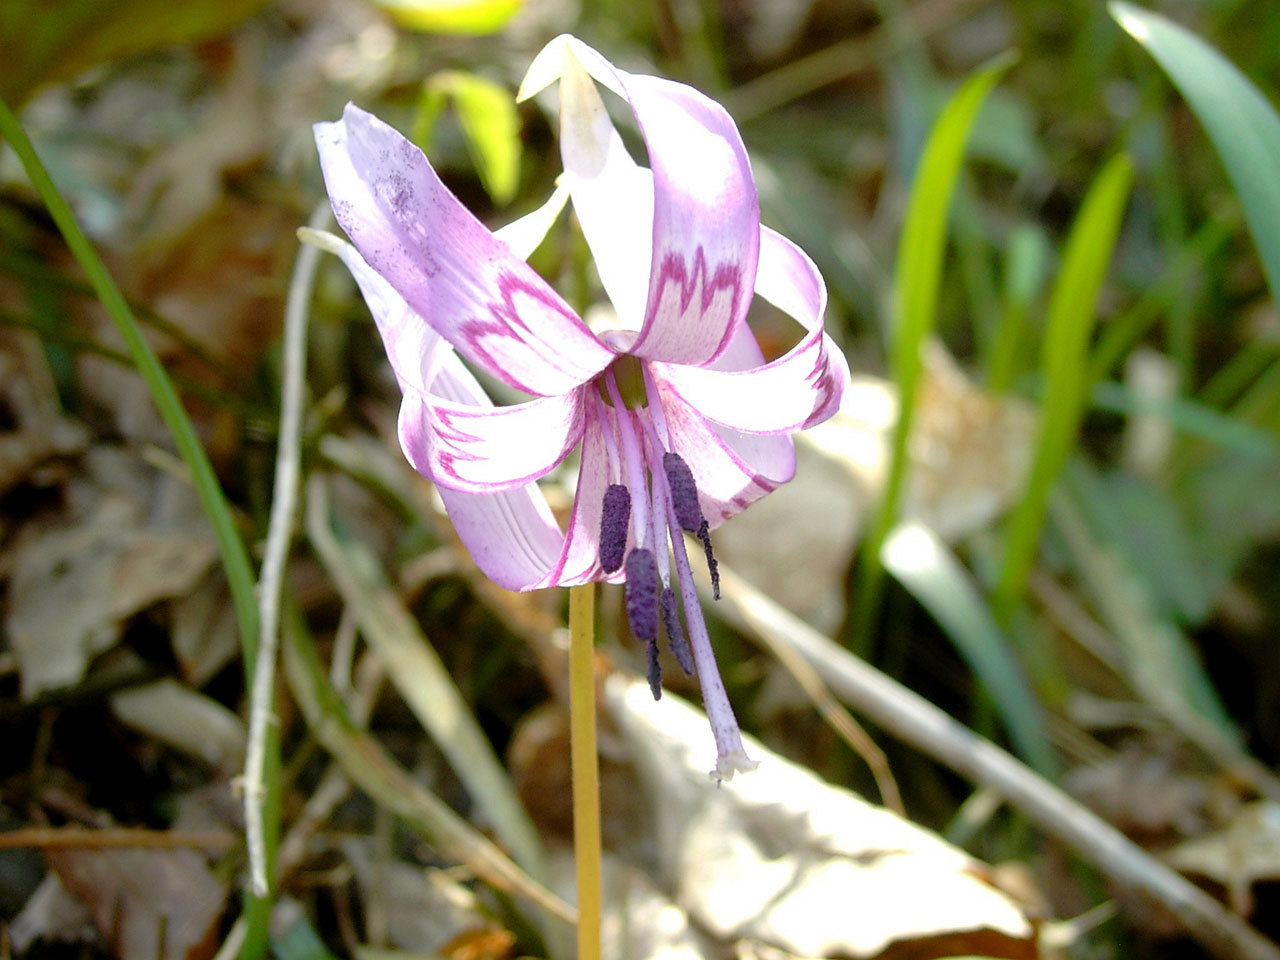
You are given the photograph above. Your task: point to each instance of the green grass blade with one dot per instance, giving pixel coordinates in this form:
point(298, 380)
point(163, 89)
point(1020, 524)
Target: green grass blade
point(235, 558)
point(1243, 126)
point(1161, 662)
point(918, 276)
point(370, 767)
point(923, 564)
point(1064, 357)
point(422, 679)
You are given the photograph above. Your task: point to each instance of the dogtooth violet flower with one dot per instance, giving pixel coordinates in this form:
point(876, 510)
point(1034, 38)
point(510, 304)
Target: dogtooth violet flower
point(679, 420)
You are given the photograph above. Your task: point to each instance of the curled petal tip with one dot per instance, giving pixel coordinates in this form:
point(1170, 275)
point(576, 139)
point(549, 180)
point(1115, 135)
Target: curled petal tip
point(545, 69)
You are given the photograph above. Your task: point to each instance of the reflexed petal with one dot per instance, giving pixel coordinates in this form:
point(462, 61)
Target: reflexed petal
point(800, 388)
point(612, 195)
point(511, 535)
point(414, 349)
point(480, 449)
point(519, 521)
point(526, 234)
point(482, 298)
point(705, 225)
point(732, 469)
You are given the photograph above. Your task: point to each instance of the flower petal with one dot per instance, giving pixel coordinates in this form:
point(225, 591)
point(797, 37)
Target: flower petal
point(700, 217)
point(525, 235)
point(732, 469)
point(579, 560)
point(511, 534)
point(479, 449)
point(413, 348)
point(800, 388)
point(445, 263)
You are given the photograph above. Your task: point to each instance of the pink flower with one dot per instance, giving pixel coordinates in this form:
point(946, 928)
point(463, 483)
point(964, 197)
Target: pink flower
point(680, 422)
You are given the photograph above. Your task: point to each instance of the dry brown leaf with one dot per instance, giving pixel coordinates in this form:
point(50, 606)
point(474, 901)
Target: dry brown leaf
point(132, 535)
point(779, 856)
point(28, 399)
point(185, 720)
point(51, 914)
point(1244, 852)
point(1141, 790)
point(205, 636)
point(72, 585)
point(969, 455)
point(424, 909)
point(148, 904)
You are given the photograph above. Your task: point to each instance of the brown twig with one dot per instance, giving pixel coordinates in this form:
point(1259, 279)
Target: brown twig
point(116, 838)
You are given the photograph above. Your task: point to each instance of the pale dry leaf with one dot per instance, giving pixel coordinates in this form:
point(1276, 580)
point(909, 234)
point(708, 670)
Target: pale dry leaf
point(969, 456)
point(185, 720)
point(204, 633)
point(148, 904)
point(51, 914)
point(970, 451)
point(782, 857)
point(74, 581)
point(425, 909)
point(1142, 790)
point(638, 918)
point(29, 399)
point(1241, 854)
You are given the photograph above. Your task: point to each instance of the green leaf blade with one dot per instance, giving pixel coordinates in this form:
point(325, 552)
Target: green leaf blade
point(1064, 357)
point(1243, 126)
point(918, 275)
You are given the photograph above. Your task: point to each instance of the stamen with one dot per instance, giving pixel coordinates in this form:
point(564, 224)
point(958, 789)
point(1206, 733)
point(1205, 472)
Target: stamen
point(684, 492)
point(655, 670)
point(614, 519)
point(713, 568)
point(634, 461)
point(641, 595)
point(675, 633)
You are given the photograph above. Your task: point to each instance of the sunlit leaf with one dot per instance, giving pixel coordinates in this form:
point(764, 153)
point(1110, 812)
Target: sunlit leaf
point(487, 114)
point(465, 17)
point(1243, 126)
point(926, 567)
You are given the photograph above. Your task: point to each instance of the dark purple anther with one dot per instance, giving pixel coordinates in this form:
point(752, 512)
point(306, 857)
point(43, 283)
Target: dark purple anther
point(684, 494)
point(655, 670)
point(641, 594)
point(613, 527)
point(675, 633)
point(704, 534)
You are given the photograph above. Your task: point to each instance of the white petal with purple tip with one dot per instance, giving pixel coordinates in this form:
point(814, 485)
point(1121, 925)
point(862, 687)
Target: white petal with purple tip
point(468, 285)
point(797, 390)
point(732, 469)
point(486, 449)
point(705, 227)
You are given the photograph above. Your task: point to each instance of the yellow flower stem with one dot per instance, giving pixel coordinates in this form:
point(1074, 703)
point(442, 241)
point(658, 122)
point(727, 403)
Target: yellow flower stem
point(586, 777)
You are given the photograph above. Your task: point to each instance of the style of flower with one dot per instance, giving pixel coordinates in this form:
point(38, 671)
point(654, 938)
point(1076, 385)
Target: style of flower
point(680, 422)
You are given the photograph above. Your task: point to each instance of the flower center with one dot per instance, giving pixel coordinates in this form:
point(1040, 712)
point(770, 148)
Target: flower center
point(628, 373)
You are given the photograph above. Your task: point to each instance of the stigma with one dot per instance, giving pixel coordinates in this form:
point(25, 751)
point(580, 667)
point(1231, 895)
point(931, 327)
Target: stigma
point(649, 504)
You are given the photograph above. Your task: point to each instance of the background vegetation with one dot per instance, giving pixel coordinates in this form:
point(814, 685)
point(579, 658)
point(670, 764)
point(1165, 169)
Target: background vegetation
point(1051, 505)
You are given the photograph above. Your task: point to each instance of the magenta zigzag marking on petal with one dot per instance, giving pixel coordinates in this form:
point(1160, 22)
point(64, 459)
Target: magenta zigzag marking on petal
point(727, 275)
point(504, 321)
point(447, 459)
point(825, 382)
